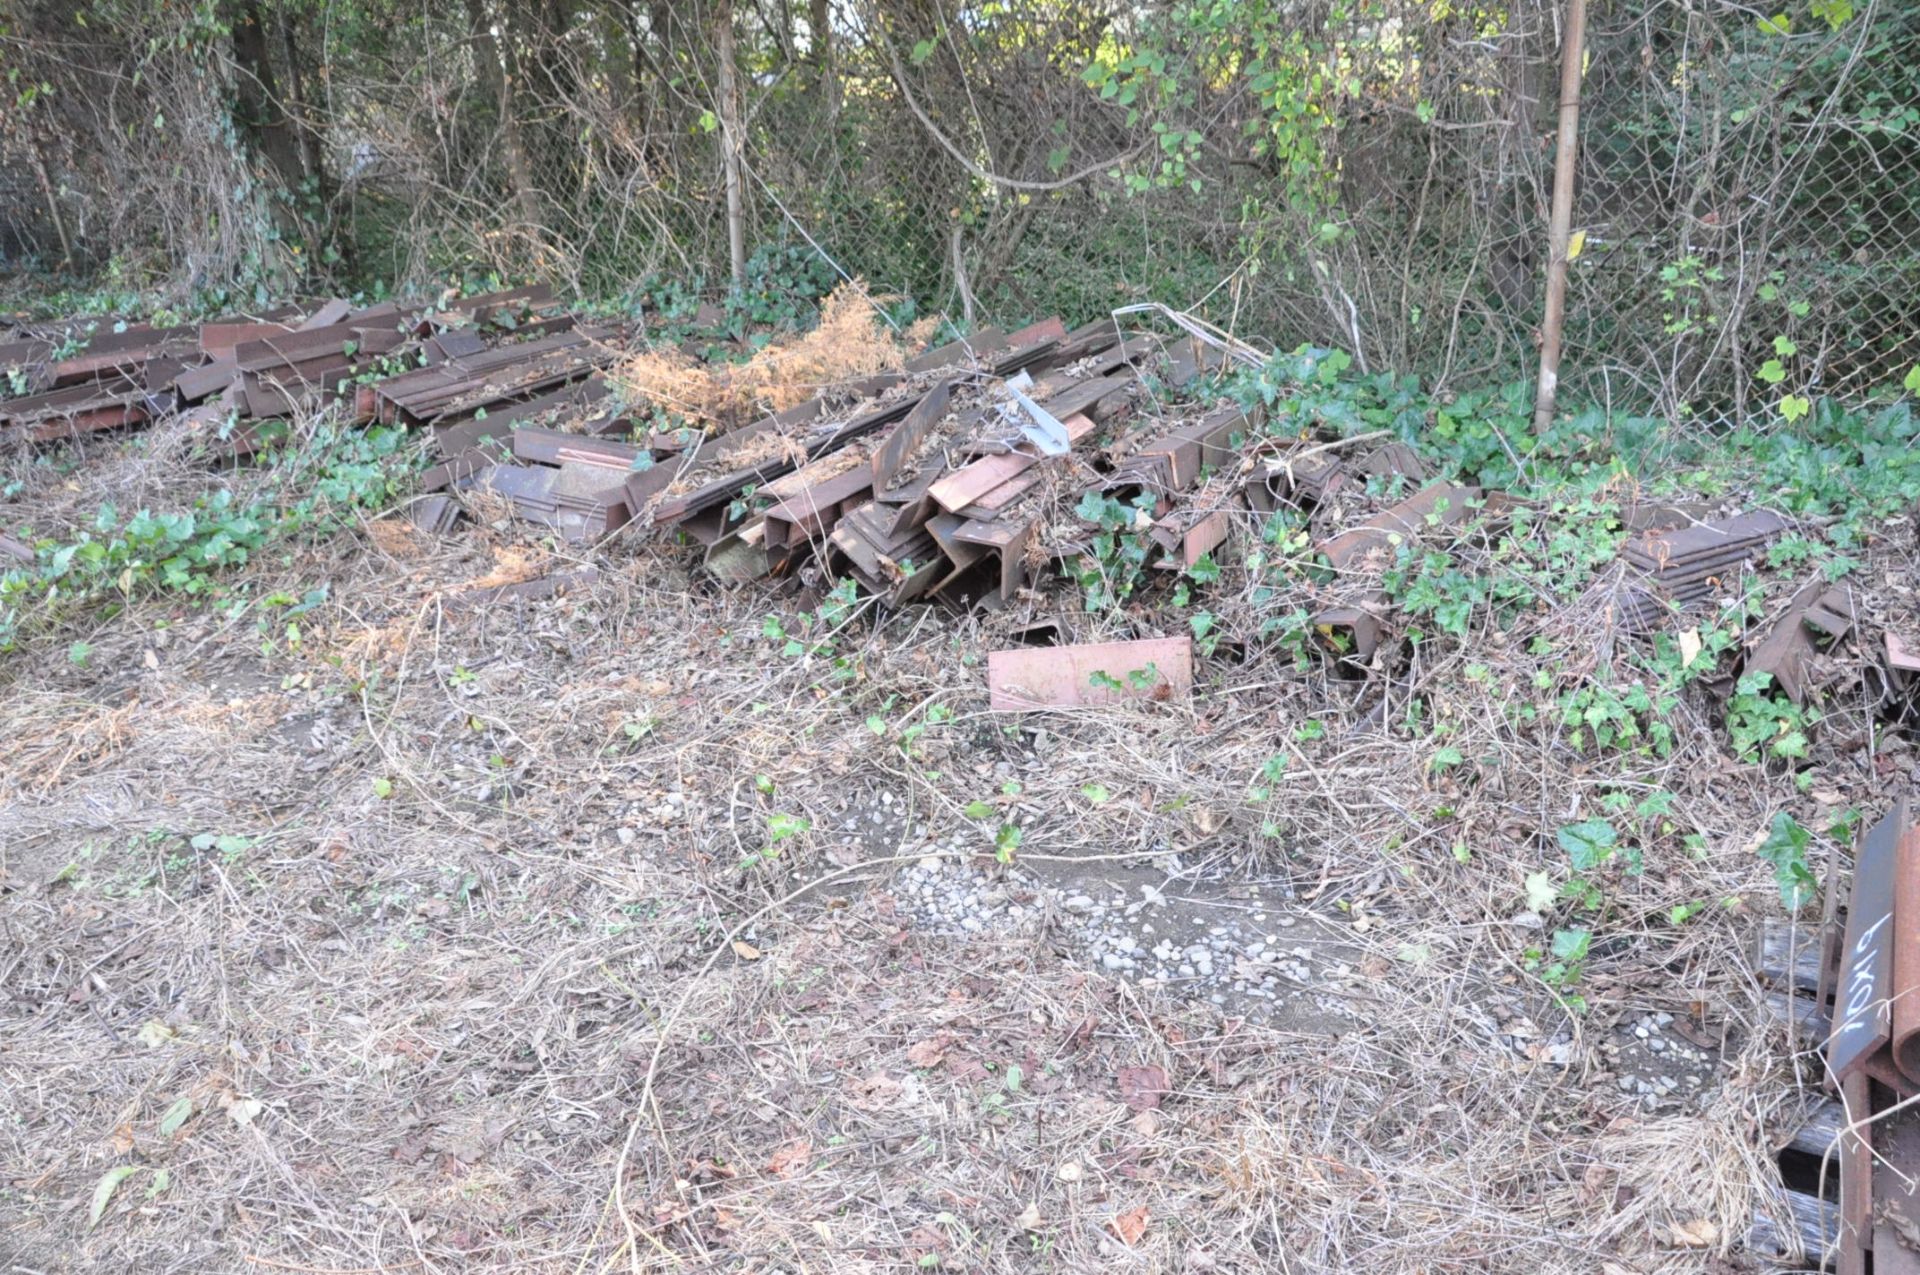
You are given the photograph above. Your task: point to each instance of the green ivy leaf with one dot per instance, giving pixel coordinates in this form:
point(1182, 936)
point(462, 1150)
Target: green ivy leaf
point(785, 827)
point(1912, 383)
point(1772, 372)
point(1794, 406)
point(1835, 13)
point(1572, 945)
point(1785, 848)
point(1589, 844)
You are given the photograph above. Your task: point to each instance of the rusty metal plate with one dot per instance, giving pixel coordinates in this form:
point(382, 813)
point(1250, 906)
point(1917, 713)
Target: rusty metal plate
point(965, 350)
point(1785, 651)
point(1030, 677)
point(1447, 501)
point(1902, 656)
point(1896, 1195)
point(892, 454)
point(1905, 992)
point(1743, 531)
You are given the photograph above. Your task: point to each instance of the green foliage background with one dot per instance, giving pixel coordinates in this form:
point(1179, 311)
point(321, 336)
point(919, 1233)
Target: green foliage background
point(1369, 175)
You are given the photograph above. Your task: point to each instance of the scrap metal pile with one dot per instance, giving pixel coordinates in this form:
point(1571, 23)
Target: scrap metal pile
point(416, 365)
point(949, 479)
point(960, 477)
point(946, 479)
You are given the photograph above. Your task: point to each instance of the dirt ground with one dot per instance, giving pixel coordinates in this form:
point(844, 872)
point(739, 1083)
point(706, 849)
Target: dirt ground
point(593, 934)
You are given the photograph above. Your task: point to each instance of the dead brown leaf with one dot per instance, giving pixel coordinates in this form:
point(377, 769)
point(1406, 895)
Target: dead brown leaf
point(1698, 1233)
point(1142, 1088)
point(790, 1159)
point(930, 1052)
point(1131, 1225)
point(876, 1092)
point(966, 1069)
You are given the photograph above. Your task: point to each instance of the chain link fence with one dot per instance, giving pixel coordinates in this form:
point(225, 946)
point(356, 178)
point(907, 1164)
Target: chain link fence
point(1747, 212)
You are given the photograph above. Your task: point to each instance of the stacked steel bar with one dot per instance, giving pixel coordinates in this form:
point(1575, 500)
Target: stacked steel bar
point(943, 481)
point(263, 367)
point(577, 484)
point(462, 386)
point(955, 480)
point(117, 378)
point(707, 496)
point(1680, 568)
point(280, 374)
point(964, 500)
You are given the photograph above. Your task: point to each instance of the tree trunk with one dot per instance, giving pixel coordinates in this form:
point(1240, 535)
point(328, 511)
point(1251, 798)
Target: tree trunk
point(300, 115)
point(729, 116)
point(261, 117)
point(1559, 232)
point(624, 36)
point(820, 53)
point(490, 55)
point(52, 197)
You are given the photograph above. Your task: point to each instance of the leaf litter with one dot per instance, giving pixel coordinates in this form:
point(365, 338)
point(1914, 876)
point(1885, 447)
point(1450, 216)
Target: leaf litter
point(506, 931)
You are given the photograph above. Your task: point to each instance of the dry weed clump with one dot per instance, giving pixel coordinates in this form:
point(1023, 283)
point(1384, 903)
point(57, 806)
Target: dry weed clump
point(851, 341)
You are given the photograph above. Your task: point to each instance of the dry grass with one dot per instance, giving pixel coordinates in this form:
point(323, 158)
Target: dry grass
point(478, 980)
point(850, 342)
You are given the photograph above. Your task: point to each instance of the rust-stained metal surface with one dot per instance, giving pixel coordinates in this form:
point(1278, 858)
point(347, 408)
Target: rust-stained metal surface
point(1863, 1020)
point(1447, 504)
point(1904, 993)
point(1895, 1210)
point(1856, 1179)
point(436, 515)
point(1903, 659)
point(1818, 614)
point(1872, 1055)
point(1030, 677)
point(535, 590)
point(1679, 563)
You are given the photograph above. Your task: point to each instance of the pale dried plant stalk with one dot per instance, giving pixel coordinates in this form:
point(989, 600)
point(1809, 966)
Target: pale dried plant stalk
point(850, 342)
